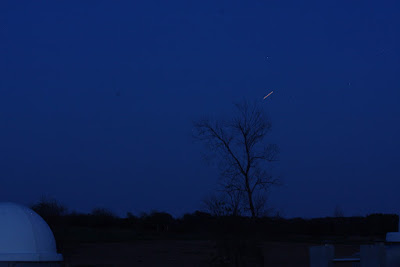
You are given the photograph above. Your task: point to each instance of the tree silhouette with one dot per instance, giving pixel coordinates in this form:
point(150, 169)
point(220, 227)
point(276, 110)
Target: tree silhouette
point(48, 207)
point(241, 151)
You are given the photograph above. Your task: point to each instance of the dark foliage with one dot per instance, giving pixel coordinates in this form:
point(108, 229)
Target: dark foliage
point(50, 210)
point(204, 225)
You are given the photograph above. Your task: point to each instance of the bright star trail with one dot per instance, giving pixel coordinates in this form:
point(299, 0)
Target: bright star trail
point(268, 95)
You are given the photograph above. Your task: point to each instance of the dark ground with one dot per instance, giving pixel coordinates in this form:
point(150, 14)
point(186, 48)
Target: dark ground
point(200, 239)
point(184, 253)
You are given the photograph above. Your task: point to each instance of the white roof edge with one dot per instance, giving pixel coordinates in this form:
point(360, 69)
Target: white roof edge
point(393, 237)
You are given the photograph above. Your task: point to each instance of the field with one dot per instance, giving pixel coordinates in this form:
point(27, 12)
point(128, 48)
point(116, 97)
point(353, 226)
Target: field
point(184, 253)
point(200, 239)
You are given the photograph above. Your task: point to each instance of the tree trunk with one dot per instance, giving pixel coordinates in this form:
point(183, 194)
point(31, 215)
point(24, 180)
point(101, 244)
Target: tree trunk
point(253, 213)
point(250, 196)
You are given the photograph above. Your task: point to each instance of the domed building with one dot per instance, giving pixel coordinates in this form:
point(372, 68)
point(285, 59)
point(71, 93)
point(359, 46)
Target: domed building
point(25, 238)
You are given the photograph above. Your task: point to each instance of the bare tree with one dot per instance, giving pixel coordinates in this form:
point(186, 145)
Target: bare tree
point(216, 205)
point(338, 212)
point(224, 204)
point(241, 150)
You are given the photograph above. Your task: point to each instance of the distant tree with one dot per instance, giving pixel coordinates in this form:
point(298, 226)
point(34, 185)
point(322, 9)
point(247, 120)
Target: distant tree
point(338, 212)
point(160, 221)
point(224, 204)
point(216, 205)
point(130, 215)
point(239, 146)
point(260, 206)
point(103, 212)
point(130, 219)
point(102, 217)
point(48, 207)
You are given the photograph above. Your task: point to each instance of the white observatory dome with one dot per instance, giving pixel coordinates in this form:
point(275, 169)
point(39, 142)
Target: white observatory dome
point(25, 236)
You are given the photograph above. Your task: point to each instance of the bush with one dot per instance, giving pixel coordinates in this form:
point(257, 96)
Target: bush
point(50, 210)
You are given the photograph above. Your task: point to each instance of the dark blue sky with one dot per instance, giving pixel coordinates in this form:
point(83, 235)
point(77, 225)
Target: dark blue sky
point(97, 100)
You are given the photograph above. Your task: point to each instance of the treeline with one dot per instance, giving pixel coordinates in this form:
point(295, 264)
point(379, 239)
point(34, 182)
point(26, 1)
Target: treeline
point(204, 225)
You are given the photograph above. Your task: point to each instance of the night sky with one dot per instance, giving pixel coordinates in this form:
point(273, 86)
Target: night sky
point(97, 100)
